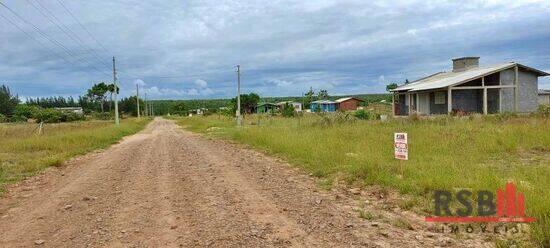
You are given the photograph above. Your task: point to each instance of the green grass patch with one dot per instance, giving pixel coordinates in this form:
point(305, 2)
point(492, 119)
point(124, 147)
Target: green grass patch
point(480, 153)
point(23, 153)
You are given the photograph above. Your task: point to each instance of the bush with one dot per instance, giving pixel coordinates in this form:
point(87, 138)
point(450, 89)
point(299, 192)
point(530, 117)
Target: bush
point(3, 118)
point(365, 115)
point(544, 110)
point(49, 116)
point(288, 110)
point(18, 118)
point(102, 116)
point(26, 111)
point(362, 114)
point(71, 116)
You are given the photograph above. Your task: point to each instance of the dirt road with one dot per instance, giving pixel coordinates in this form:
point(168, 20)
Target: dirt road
point(166, 187)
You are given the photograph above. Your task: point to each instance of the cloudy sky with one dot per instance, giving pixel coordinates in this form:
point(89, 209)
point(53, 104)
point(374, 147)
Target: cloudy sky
point(189, 49)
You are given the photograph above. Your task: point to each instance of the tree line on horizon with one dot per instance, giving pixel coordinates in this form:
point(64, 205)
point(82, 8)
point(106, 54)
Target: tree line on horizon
point(98, 100)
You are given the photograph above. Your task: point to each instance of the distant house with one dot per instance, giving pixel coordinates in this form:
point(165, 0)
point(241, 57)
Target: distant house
point(323, 106)
point(76, 110)
point(198, 111)
point(544, 97)
point(469, 88)
point(266, 107)
point(297, 106)
point(347, 103)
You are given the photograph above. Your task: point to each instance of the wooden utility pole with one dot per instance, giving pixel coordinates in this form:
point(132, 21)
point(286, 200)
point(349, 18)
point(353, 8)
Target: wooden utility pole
point(239, 117)
point(137, 100)
point(117, 122)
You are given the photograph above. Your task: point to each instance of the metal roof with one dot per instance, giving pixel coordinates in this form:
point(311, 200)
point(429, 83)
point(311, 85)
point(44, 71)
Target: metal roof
point(324, 102)
point(266, 103)
point(339, 100)
point(544, 92)
point(452, 78)
point(289, 102)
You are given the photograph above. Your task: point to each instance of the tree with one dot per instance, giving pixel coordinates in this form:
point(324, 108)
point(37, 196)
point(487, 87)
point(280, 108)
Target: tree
point(8, 102)
point(97, 93)
point(111, 90)
point(309, 97)
point(288, 110)
point(323, 94)
point(180, 108)
point(248, 103)
point(391, 86)
point(129, 105)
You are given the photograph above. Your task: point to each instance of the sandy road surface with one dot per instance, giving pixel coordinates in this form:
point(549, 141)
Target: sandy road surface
point(166, 187)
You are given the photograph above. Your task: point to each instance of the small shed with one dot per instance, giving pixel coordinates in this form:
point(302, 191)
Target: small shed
point(297, 106)
point(266, 107)
point(544, 97)
point(323, 106)
point(347, 103)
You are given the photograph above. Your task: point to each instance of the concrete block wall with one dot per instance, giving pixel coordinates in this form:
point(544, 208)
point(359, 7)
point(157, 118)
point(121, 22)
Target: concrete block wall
point(528, 91)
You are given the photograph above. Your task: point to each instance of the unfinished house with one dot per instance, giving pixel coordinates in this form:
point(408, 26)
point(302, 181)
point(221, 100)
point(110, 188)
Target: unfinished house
point(470, 88)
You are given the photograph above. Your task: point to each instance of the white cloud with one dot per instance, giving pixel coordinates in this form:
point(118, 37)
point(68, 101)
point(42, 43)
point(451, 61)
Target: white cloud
point(139, 82)
point(201, 83)
point(284, 47)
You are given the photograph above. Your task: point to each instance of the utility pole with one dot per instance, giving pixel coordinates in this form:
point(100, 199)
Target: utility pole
point(146, 109)
point(137, 100)
point(239, 117)
point(117, 122)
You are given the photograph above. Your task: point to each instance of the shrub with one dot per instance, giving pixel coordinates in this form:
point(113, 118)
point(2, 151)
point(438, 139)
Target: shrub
point(3, 118)
point(544, 110)
point(365, 115)
point(288, 110)
point(18, 118)
point(102, 116)
point(49, 116)
point(71, 116)
point(26, 111)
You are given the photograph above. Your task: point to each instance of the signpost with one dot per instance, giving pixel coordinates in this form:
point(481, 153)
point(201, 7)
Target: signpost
point(401, 148)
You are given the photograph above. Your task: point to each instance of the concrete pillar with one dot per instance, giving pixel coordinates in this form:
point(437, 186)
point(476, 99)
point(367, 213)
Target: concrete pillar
point(516, 89)
point(449, 100)
point(485, 101)
point(393, 104)
point(409, 100)
point(417, 103)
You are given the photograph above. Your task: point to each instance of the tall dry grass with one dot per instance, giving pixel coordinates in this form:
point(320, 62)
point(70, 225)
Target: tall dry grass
point(24, 153)
point(481, 153)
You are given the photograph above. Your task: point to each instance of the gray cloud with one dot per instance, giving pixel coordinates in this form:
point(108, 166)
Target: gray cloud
point(189, 49)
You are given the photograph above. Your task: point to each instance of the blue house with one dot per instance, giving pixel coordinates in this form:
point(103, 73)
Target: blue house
point(323, 106)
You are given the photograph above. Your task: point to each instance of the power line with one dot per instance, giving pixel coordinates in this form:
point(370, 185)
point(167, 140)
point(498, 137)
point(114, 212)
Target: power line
point(52, 40)
point(81, 25)
point(55, 21)
point(80, 41)
point(32, 37)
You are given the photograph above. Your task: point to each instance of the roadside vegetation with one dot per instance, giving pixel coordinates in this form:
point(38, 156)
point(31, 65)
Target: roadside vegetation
point(23, 152)
point(476, 152)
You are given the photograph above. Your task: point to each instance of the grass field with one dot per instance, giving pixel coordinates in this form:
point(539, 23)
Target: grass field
point(24, 153)
point(481, 153)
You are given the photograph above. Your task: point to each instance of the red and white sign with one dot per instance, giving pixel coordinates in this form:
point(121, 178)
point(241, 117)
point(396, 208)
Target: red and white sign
point(401, 147)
